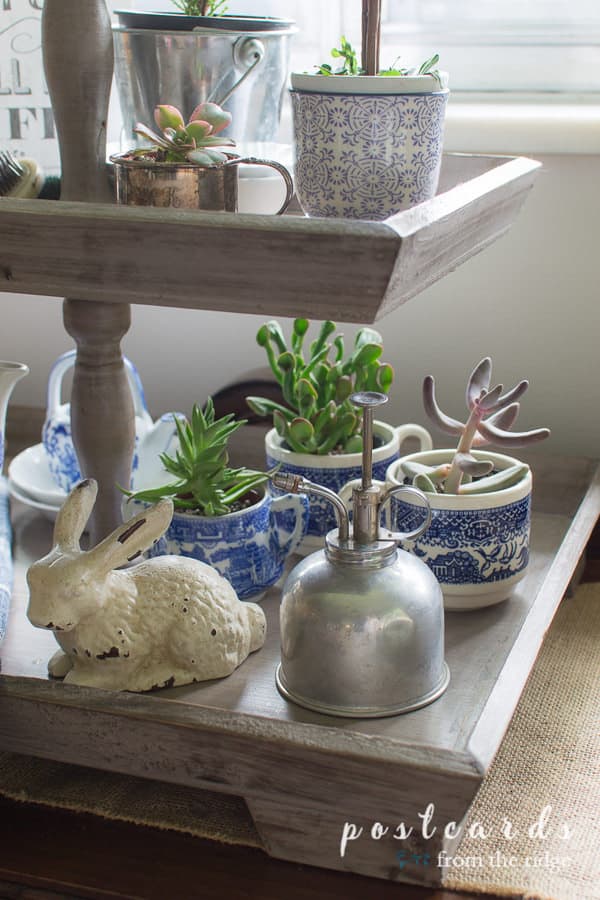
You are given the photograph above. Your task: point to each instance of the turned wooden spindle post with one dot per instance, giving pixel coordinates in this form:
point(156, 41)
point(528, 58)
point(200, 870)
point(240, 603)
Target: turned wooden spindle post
point(78, 61)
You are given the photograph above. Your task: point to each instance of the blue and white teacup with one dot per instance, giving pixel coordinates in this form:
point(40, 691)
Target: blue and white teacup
point(56, 433)
point(336, 469)
point(249, 547)
point(477, 544)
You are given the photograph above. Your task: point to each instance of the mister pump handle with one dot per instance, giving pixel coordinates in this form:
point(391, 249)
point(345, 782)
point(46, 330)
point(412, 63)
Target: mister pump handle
point(368, 401)
point(365, 500)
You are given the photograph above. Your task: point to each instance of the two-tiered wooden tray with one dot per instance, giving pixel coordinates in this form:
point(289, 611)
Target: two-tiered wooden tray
point(302, 775)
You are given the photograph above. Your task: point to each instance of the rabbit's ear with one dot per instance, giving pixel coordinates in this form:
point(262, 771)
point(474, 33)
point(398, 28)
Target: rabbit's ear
point(132, 538)
point(74, 513)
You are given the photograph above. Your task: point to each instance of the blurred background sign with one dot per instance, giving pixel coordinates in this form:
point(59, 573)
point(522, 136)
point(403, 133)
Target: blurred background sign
point(26, 122)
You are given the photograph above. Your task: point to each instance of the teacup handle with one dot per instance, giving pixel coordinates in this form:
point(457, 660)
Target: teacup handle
point(67, 360)
point(414, 492)
point(411, 430)
point(289, 184)
point(300, 504)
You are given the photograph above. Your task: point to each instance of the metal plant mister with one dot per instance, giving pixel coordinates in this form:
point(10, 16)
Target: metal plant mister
point(362, 621)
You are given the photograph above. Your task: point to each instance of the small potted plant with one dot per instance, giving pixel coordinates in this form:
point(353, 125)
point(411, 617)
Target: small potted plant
point(224, 517)
point(317, 430)
point(478, 542)
point(198, 52)
point(187, 165)
point(368, 140)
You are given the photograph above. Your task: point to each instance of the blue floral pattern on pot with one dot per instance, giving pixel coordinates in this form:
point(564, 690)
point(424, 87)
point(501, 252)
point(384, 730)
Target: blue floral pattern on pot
point(248, 547)
point(470, 546)
point(367, 157)
point(478, 543)
point(322, 517)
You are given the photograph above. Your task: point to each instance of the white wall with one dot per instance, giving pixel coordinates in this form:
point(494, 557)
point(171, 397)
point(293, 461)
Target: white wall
point(531, 301)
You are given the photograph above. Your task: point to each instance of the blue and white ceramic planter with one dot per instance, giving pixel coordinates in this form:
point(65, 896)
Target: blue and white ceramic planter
point(56, 433)
point(478, 544)
point(249, 548)
point(336, 469)
point(367, 147)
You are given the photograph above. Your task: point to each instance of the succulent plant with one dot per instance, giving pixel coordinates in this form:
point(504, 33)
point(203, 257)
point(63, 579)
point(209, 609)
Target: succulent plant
point(319, 417)
point(491, 414)
point(350, 66)
point(348, 54)
point(201, 7)
point(204, 482)
point(194, 142)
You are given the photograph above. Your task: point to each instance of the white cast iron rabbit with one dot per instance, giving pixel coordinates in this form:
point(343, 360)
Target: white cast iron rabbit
point(167, 621)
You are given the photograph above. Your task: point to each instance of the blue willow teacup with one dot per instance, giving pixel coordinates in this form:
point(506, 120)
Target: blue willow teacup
point(248, 547)
point(477, 545)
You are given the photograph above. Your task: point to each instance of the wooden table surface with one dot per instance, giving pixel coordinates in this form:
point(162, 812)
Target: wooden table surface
point(63, 854)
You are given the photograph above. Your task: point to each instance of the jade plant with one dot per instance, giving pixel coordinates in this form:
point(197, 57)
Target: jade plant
point(204, 483)
point(350, 64)
point(491, 414)
point(201, 7)
point(195, 142)
point(316, 383)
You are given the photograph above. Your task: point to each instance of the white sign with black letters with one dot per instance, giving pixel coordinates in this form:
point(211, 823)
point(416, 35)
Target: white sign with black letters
point(26, 121)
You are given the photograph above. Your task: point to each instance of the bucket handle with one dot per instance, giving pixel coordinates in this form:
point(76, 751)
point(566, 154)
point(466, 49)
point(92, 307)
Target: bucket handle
point(247, 52)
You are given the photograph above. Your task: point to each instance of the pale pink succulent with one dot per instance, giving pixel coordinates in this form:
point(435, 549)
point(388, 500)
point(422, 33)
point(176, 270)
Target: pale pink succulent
point(491, 414)
point(195, 142)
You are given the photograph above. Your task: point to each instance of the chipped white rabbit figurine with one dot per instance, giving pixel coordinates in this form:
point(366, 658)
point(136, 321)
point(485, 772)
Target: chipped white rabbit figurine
point(166, 621)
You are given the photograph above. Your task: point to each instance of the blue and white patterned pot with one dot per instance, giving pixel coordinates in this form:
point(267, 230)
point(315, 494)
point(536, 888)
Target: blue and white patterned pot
point(56, 433)
point(336, 469)
point(366, 155)
point(249, 548)
point(478, 544)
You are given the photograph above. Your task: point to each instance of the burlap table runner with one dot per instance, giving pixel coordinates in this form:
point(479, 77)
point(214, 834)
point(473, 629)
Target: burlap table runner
point(550, 760)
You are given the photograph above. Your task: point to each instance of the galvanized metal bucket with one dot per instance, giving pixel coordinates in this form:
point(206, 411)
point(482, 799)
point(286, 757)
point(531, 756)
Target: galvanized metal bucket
point(242, 64)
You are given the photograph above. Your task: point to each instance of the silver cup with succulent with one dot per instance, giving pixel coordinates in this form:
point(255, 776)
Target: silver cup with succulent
point(188, 164)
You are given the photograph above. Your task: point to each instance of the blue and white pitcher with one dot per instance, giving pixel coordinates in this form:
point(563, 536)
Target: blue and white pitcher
point(56, 433)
